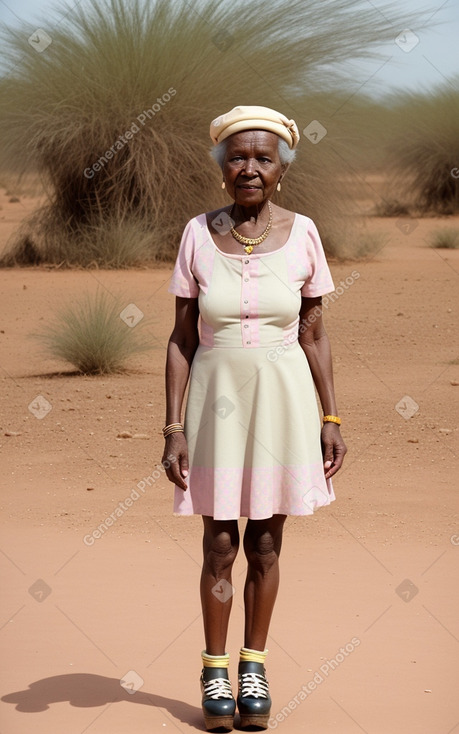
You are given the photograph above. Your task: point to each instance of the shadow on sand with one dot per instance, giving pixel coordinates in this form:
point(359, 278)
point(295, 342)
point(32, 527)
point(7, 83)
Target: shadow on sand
point(86, 689)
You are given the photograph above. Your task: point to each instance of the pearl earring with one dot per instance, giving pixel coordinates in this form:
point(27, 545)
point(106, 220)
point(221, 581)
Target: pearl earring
point(223, 185)
point(279, 186)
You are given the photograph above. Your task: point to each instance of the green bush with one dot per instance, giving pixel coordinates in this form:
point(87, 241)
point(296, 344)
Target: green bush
point(91, 335)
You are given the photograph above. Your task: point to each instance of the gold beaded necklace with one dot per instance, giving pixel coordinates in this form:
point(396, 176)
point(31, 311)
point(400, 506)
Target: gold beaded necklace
point(249, 243)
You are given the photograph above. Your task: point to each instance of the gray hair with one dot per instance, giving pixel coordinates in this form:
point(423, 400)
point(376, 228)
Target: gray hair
point(286, 154)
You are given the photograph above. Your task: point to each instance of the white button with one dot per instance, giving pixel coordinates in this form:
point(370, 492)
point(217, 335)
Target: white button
point(245, 301)
point(246, 326)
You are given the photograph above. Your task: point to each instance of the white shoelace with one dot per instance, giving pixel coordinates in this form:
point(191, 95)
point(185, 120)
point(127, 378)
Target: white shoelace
point(217, 688)
point(253, 684)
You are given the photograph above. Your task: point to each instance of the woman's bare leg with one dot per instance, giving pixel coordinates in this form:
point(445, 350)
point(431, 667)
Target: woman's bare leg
point(262, 545)
point(220, 547)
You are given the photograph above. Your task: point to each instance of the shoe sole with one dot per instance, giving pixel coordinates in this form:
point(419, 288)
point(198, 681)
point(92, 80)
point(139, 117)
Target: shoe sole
point(219, 722)
point(260, 720)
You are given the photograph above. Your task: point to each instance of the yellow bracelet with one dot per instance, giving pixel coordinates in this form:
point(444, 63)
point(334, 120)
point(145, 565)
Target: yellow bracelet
point(332, 419)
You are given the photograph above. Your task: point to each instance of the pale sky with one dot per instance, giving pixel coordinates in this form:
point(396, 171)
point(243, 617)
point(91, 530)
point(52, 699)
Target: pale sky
point(422, 60)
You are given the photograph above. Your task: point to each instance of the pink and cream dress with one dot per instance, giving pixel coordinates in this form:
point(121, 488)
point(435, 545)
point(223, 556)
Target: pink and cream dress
point(252, 422)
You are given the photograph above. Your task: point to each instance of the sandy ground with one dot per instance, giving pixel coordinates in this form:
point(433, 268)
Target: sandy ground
point(366, 621)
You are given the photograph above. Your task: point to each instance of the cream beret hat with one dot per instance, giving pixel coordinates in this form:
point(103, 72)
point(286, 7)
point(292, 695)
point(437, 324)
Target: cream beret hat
point(254, 118)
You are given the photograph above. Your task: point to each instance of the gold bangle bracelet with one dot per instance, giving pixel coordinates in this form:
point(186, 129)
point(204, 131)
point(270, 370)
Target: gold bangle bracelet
point(331, 419)
point(172, 428)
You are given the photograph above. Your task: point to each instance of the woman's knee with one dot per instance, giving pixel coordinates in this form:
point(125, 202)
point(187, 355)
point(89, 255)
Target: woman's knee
point(220, 550)
point(262, 551)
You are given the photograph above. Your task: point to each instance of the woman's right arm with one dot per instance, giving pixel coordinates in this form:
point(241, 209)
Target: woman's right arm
point(181, 349)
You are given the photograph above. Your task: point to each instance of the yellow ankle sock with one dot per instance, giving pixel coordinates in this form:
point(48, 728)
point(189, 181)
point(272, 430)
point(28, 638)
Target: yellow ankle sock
point(254, 656)
point(214, 661)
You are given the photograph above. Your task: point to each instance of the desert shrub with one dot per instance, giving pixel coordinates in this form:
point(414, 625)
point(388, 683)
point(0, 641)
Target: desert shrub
point(391, 208)
point(359, 244)
point(424, 155)
point(91, 335)
point(446, 238)
point(113, 244)
point(114, 113)
point(369, 244)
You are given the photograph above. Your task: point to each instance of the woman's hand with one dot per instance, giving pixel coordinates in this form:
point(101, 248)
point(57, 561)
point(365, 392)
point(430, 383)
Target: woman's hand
point(175, 459)
point(333, 449)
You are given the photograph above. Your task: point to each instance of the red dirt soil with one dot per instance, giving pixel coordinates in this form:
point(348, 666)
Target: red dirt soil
point(376, 572)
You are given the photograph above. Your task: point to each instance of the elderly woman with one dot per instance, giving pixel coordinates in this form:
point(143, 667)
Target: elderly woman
point(252, 274)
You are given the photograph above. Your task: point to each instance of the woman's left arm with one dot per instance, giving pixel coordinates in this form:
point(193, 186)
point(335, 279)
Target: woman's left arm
point(314, 341)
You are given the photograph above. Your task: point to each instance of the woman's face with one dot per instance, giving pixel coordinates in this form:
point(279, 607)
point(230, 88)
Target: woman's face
point(252, 168)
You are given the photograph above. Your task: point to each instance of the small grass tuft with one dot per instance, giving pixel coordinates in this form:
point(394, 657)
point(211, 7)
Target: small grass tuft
point(369, 244)
point(91, 335)
point(447, 238)
point(358, 244)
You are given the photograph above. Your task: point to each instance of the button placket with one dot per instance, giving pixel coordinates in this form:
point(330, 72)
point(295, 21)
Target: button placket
point(245, 305)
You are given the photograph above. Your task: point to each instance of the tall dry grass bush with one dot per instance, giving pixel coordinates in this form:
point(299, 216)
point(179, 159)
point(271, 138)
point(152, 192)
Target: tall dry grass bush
point(358, 131)
point(424, 153)
point(77, 112)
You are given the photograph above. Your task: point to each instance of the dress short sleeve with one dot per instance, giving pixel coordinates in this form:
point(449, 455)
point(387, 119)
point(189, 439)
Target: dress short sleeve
point(320, 280)
point(183, 283)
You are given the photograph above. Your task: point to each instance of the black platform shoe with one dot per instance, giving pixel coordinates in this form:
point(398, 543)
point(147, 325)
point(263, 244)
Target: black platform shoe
point(253, 699)
point(218, 704)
